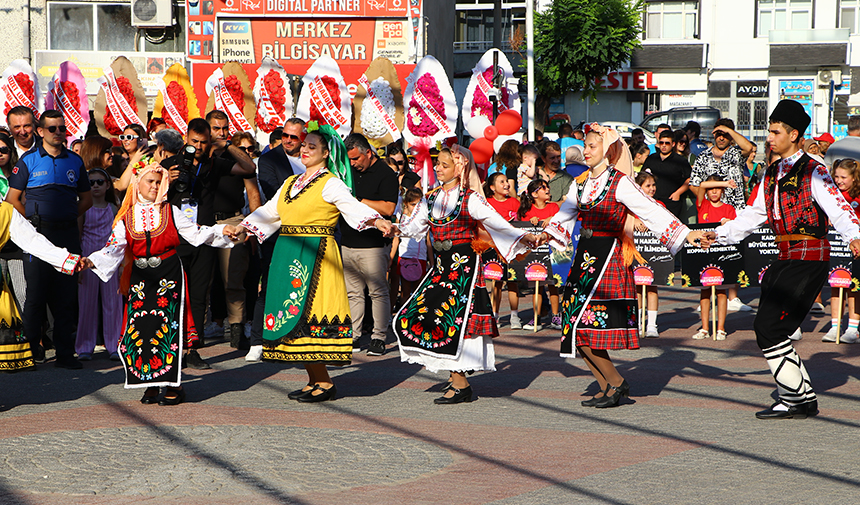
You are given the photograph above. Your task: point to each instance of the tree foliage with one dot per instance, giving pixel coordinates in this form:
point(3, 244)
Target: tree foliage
point(580, 41)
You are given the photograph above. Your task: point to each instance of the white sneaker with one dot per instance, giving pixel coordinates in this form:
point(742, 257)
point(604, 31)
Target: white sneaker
point(850, 336)
point(651, 332)
point(255, 353)
point(830, 336)
point(817, 309)
point(737, 305)
point(516, 324)
point(530, 326)
point(797, 335)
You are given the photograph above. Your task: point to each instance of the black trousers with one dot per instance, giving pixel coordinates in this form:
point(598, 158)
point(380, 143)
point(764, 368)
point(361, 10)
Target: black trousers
point(48, 288)
point(788, 290)
point(199, 263)
point(267, 249)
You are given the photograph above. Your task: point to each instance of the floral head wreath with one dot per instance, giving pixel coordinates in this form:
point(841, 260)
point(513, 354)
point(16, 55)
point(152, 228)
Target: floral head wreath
point(338, 161)
point(132, 196)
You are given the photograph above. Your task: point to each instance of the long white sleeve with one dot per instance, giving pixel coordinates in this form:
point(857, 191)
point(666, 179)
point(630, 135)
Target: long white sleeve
point(830, 199)
point(264, 221)
point(199, 235)
point(25, 236)
point(745, 222)
point(506, 237)
point(662, 223)
point(561, 225)
point(356, 214)
point(417, 224)
point(108, 259)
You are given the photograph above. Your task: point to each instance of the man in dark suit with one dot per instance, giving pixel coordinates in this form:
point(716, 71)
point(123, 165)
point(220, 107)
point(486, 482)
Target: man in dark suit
point(273, 169)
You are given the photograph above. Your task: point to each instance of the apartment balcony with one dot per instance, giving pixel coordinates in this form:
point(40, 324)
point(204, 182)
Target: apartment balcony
point(820, 47)
point(467, 54)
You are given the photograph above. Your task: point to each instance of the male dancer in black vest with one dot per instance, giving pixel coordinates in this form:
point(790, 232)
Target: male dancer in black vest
point(796, 198)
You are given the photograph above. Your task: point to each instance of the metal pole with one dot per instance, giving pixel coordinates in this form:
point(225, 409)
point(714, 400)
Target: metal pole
point(497, 24)
point(530, 67)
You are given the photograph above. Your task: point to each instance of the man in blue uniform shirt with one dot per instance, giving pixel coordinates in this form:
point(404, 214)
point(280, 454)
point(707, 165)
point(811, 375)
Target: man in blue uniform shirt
point(57, 191)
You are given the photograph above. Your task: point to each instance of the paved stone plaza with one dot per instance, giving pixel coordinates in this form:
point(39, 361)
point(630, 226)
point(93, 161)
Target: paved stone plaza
point(687, 434)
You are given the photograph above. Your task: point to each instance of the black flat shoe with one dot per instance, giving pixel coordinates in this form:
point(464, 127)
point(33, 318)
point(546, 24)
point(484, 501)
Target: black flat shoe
point(801, 411)
point(193, 360)
point(295, 395)
point(150, 396)
point(460, 396)
point(327, 394)
point(173, 400)
point(594, 399)
point(613, 399)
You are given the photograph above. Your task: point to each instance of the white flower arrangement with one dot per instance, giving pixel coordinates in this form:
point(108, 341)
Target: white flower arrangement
point(371, 123)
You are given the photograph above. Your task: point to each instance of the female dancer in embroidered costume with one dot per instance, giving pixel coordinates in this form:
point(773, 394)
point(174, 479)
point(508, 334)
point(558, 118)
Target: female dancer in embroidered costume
point(145, 233)
point(599, 304)
point(15, 353)
point(447, 324)
point(307, 316)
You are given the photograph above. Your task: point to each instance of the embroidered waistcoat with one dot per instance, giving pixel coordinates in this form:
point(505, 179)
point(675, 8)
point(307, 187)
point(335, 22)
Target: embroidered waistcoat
point(156, 242)
point(604, 213)
point(799, 212)
point(459, 226)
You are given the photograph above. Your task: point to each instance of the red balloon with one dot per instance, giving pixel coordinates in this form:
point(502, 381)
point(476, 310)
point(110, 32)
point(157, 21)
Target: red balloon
point(491, 132)
point(482, 150)
point(509, 122)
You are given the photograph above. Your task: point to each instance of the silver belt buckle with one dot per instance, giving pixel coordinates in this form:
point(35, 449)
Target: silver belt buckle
point(443, 245)
point(587, 232)
point(153, 262)
point(140, 263)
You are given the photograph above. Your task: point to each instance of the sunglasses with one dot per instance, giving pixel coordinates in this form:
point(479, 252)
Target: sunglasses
point(399, 163)
point(291, 137)
point(128, 137)
point(97, 182)
point(54, 128)
point(5, 150)
point(664, 143)
point(250, 149)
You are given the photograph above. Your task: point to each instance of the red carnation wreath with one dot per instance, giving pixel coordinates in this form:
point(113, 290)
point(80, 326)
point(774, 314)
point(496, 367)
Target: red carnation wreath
point(333, 91)
point(425, 127)
point(277, 94)
point(177, 96)
point(127, 91)
point(481, 105)
point(27, 86)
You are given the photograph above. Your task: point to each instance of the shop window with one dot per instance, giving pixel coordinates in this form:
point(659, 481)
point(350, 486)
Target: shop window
point(77, 26)
point(671, 20)
point(849, 15)
point(783, 15)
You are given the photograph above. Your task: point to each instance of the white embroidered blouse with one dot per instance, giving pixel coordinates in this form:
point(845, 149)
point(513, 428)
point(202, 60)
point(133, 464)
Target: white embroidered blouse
point(662, 223)
point(147, 217)
point(506, 237)
point(265, 221)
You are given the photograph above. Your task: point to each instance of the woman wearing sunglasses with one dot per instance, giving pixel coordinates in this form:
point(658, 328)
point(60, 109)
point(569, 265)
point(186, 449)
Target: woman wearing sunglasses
point(94, 297)
point(133, 139)
point(8, 159)
point(396, 159)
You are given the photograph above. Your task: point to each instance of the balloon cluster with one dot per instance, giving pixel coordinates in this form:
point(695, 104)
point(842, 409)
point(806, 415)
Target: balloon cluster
point(490, 137)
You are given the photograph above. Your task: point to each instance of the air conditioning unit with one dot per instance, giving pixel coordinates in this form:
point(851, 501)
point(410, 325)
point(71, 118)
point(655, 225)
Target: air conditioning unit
point(151, 13)
point(825, 75)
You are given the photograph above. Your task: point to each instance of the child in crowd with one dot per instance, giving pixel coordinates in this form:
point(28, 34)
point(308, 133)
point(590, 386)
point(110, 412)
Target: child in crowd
point(412, 252)
point(639, 151)
point(536, 208)
point(497, 190)
point(713, 210)
point(648, 182)
point(846, 175)
point(527, 170)
point(98, 298)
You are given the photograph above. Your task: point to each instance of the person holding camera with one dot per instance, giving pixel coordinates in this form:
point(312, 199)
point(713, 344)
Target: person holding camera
point(229, 201)
point(57, 191)
point(193, 185)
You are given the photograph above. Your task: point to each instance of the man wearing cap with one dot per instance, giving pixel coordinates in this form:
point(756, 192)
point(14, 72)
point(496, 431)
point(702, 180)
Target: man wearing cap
point(797, 198)
point(824, 140)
